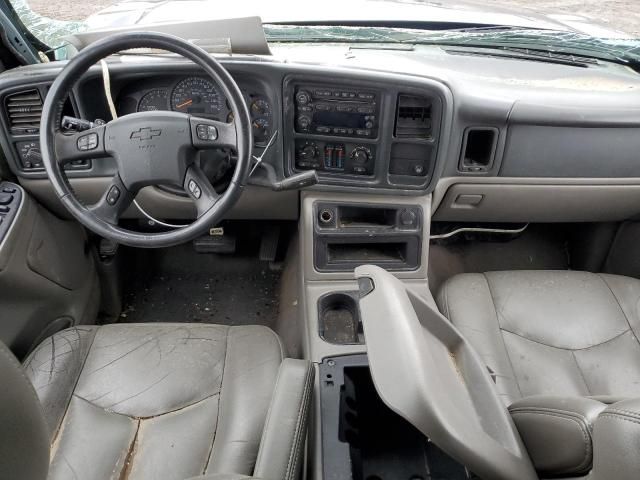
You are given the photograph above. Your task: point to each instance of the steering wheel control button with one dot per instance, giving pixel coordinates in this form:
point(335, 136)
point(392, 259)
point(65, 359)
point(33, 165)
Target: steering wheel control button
point(207, 132)
point(5, 198)
point(88, 142)
point(194, 189)
point(113, 195)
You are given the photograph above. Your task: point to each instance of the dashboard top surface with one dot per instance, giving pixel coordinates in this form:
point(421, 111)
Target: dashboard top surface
point(466, 90)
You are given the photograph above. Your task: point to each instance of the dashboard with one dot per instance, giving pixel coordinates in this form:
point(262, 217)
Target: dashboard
point(492, 139)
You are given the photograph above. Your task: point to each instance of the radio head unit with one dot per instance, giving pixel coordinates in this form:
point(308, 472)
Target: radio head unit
point(336, 111)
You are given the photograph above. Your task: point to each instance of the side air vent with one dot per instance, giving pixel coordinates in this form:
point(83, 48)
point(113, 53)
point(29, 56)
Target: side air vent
point(413, 117)
point(478, 149)
point(24, 110)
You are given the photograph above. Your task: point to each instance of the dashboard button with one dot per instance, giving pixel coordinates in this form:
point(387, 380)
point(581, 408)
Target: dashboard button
point(5, 198)
point(194, 188)
point(4, 209)
point(207, 132)
point(88, 142)
point(113, 195)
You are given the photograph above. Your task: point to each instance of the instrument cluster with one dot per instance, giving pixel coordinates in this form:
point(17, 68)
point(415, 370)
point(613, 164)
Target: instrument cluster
point(195, 95)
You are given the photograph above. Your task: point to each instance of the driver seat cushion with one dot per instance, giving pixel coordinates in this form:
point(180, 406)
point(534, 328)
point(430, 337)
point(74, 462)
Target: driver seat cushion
point(550, 332)
point(155, 400)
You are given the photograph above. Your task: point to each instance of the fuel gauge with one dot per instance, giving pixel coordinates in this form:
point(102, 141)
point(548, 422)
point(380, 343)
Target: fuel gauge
point(261, 129)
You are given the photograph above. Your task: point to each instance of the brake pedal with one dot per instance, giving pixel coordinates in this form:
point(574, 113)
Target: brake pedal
point(215, 242)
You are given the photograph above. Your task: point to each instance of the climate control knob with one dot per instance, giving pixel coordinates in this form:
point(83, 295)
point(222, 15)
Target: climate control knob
point(361, 155)
point(308, 152)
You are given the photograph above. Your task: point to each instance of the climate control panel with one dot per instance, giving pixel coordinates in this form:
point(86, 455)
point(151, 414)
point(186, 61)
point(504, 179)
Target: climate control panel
point(338, 157)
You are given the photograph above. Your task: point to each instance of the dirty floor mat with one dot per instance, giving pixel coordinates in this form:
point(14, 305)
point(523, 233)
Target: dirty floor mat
point(179, 285)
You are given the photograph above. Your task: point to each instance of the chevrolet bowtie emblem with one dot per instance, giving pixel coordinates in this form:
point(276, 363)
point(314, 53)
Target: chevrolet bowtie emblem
point(145, 134)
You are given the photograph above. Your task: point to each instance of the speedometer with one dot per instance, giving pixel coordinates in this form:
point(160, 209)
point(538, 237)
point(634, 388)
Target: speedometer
point(196, 95)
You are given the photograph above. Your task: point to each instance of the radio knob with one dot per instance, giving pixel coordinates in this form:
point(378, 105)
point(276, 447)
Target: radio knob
point(304, 121)
point(368, 124)
point(303, 97)
point(360, 155)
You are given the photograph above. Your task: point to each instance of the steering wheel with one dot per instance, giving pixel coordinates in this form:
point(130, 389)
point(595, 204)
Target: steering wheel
point(149, 148)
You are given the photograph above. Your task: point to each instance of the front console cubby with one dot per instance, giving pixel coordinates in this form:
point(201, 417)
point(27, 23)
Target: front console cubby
point(362, 439)
point(349, 235)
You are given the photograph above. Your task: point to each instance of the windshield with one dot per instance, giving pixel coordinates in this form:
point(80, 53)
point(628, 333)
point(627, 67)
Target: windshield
point(590, 28)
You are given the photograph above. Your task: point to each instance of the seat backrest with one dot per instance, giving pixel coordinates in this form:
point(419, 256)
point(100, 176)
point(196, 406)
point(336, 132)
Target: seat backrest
point(24, 443)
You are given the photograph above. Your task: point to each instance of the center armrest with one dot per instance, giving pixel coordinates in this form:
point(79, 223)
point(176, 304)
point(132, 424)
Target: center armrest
point(557, 432)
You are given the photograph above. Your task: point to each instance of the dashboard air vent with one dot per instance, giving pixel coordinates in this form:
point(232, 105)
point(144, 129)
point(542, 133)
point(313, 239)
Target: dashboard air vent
point(24, 110)
point(413, 117)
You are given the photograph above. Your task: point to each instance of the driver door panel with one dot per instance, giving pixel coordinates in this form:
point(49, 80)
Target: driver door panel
point(48, 278)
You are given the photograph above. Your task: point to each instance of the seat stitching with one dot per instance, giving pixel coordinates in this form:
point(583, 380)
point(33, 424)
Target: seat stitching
point(615, 297)
point(300, 421)
point(504, 344)
point(562, 348)
point(192, 404)
point(621, 411)
point(268, 418)
point(127, 465)
point(279, 343)
point(616, 416)
point(215, 434)
point(584, 379)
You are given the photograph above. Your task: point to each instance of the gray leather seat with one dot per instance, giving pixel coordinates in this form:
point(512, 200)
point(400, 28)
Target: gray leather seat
point(551, 332)
point(170, 401)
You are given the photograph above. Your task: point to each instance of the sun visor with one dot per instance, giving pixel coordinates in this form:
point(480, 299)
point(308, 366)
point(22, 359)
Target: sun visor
point(233, 35)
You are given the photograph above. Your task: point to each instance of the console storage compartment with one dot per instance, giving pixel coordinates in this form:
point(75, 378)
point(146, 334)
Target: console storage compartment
point(346, 236)
point(362, 439)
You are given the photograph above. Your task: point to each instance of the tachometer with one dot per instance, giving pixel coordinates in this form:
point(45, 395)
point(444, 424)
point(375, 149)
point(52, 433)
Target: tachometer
point(196, 95)
point(154, 100)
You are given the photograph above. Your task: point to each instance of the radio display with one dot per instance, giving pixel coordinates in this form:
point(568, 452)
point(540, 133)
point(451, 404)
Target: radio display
point(339, 119)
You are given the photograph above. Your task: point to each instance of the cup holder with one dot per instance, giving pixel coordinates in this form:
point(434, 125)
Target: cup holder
point(339, 318)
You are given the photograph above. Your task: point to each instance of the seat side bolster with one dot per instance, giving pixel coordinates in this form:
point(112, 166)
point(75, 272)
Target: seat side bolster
point(467, 301)
point(24, 444)
point(616, 442)
point(54, 368)
point(282, 446)
point(254, 355)
point(556, 431)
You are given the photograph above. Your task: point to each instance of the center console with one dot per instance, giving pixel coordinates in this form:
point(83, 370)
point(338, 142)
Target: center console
point(362, 133)
point(336, 113)
point(378, 142)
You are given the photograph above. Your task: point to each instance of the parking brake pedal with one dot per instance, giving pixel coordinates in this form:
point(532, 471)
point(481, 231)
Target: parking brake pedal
point(215, 242)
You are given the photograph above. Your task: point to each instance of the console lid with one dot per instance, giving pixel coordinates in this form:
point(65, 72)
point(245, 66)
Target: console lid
point(429, 374)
